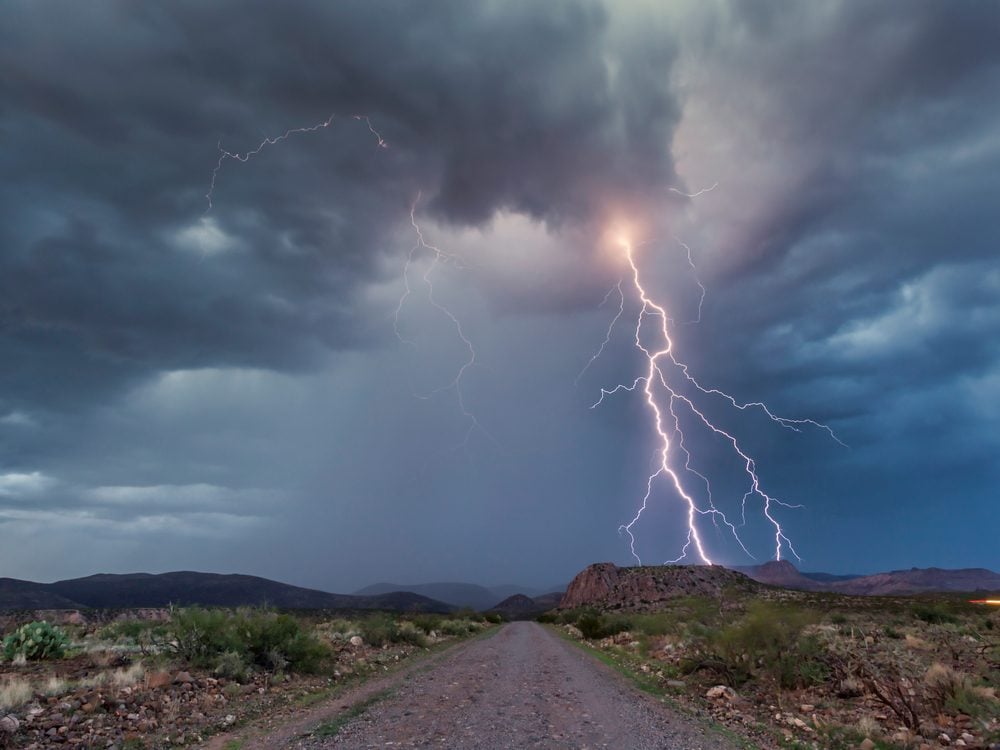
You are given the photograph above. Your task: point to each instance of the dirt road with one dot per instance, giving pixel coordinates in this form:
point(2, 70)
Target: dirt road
point(520, 688)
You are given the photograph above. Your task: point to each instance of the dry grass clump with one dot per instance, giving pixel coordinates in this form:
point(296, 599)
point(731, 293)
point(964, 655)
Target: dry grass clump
point(54, 686)
point(867, 726)
point(128, 676)
point(14, 692)
point(943, 682)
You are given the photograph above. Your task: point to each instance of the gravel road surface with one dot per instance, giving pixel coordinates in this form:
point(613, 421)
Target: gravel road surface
point(521, 688)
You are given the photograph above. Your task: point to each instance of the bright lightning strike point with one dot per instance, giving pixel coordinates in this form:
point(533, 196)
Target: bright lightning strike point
point(658, 387)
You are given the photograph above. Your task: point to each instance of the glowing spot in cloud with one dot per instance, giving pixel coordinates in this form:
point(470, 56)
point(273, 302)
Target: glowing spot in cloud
point(205, 237)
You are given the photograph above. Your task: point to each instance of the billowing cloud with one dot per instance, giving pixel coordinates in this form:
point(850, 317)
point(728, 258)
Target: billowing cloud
point(168, 369)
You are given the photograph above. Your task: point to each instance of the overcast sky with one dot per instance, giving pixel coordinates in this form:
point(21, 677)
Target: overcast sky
point(245, 384)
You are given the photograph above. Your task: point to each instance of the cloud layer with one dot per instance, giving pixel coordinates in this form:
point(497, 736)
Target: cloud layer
point(230, 379)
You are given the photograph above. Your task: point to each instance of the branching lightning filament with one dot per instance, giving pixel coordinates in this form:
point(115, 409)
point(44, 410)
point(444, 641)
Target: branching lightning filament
point(438, 257)
point(668, 407)
point(225, 155)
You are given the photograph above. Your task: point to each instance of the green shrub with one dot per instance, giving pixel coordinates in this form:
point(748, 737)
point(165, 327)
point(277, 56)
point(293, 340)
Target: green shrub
point(378, 629)
point(458, 627)
point(594, 625)
point(201, 635)
point(969, 701)
point(35, 641)
point(262, 638)
point(232, 666)
point(426, 622)
point(767, 641)
point(148, 637)
point(934, 614)
point(407, 632)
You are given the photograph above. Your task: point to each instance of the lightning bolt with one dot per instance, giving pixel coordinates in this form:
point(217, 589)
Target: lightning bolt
point(225, 155)
point(607, 336)
point(709, 189)
point(438, 258)
point(660, 364)
point(694, 270)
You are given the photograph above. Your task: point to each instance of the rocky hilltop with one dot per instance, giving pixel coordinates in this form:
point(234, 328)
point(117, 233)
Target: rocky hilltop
point(606, 586)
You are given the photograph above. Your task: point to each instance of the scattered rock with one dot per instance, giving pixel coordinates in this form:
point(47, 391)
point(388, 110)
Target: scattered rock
point(183, 678)
point(866, 744)
point(722, 693)
point(156, 680)
point(357, 640)
point(9, 724)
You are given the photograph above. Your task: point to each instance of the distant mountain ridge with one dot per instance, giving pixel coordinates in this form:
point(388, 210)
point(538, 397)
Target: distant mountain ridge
point(470, 595)
point(521, 607)
point(913, 581)
point(184, 588)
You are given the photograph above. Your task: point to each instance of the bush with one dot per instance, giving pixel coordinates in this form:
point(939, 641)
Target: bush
point(36, 641)
point(427, 622)
point(378, 629)
point(216, 638)
point(200, 635)
point(934, 614)
point(458, 627)
point(768, 641)
point(275, 641)
point(232, 666)
point(595, 626)
point(147, 637)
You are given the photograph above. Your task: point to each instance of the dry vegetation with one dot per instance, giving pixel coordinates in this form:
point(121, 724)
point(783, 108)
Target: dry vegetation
point(152, 683)
point(817, 671)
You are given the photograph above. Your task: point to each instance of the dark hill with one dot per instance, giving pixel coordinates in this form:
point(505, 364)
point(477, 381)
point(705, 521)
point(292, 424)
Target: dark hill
point(523, 607)
point(896, 582)
point(183, 588)
point(458, 594)
point(15, 594)
point(921, 580)
point(782, 573)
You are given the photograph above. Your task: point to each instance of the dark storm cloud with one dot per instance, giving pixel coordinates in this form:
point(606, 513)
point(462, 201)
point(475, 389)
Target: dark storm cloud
point(166, 371)
point(111, 112)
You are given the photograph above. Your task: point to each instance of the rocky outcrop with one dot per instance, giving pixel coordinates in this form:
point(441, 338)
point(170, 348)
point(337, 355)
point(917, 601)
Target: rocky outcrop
point(606, 586)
